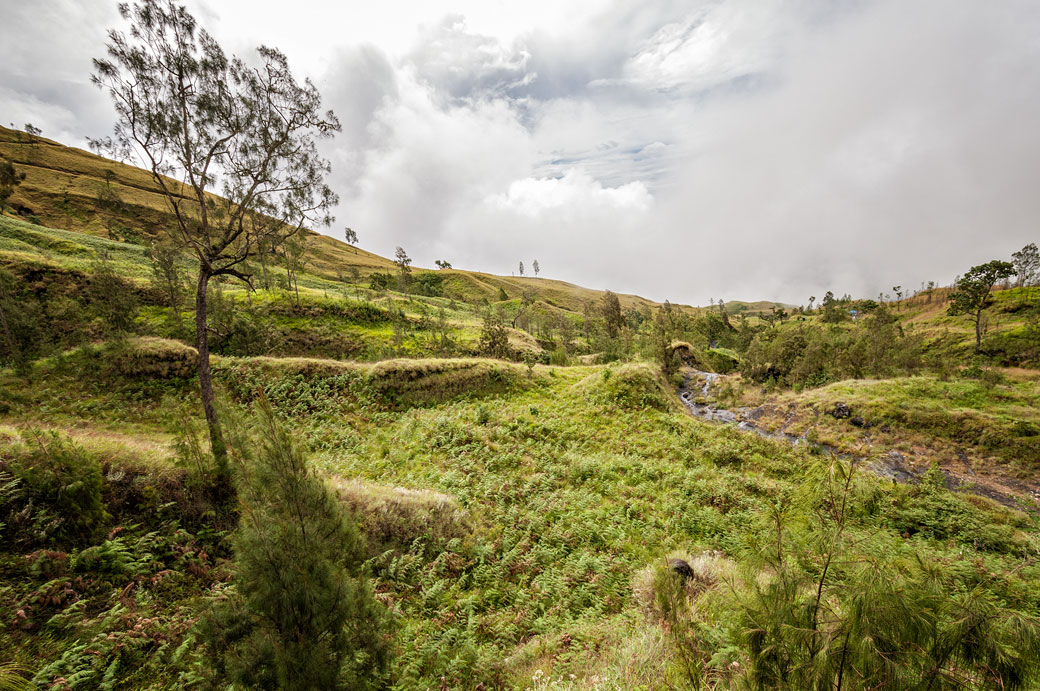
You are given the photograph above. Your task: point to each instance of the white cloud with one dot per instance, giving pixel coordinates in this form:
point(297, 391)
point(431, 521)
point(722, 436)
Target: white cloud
point(570, 195)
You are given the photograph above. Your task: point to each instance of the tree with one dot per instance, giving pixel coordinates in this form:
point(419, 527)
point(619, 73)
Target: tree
point(812, 299)
point(612, 316)
point(9, 179)
point(527, 299)
point(202, 122)
point(351, 237)
point(355, 276)
point(441, 264)
point(534, 265)
point(972, 292)
point(404, 268)
point(302, 615)
point(494, 339)
point(34, 132)
point(294, 248)
point(112, 207)
point(166, 275)
point(1027, 265)
point(521, 268)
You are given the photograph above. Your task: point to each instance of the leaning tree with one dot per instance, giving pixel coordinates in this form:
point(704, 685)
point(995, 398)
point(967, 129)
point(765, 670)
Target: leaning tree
point(207, 124)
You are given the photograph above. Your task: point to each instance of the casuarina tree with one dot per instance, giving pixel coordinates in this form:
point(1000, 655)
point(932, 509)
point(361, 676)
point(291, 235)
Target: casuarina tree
point(302, 615)
point(206, 123)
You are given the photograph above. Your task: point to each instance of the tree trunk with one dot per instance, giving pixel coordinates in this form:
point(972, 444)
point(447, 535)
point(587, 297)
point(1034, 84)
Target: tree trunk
point(7, 332)
point(216, 438)
point(978, 331)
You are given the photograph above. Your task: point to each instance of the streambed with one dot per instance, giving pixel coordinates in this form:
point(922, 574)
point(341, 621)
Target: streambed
point(695, 394)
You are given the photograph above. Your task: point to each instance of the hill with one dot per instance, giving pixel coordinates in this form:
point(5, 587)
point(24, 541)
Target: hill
point(71, 189)
point(535, 508)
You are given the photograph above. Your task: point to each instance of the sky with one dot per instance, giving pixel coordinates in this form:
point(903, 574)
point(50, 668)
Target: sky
point(683, 150)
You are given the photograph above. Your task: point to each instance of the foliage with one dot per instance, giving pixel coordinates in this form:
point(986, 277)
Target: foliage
point(9, 179)
point(820, 621)
point(634, 386)
point(114, 304)
point(253, 129)
point(808, 354)
point(1027, 264)
point(612, 314)
point(60, 492)
point(428, 283)
point(494, 339)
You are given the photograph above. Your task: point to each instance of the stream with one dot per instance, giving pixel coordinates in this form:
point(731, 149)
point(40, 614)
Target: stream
point(695, 397)
point(892, 465)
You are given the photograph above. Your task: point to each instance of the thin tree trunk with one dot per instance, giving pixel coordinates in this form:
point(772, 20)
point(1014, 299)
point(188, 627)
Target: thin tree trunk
point(7, 331)
point(978, 331)
point(263, 267)
point(216, 438)
point(175, 308)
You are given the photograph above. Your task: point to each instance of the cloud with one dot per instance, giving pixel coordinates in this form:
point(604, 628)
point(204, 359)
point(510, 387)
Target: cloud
point(466, 65)
point(47, 86)
point(684, 150)
point(570, 195)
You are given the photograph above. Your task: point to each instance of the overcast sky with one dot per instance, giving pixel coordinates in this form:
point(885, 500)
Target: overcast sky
point(681, 150)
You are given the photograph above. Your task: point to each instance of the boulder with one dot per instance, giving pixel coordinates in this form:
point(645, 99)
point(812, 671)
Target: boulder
point(841, 411)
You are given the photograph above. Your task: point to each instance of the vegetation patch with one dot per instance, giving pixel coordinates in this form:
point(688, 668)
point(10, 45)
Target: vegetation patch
point(155, 358)
point(427, 381)
point(633, 385)
point(396, 518)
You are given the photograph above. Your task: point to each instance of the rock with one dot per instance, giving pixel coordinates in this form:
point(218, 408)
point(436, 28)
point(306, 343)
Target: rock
point(841, 411)
point(859, 422)
point(682, 568)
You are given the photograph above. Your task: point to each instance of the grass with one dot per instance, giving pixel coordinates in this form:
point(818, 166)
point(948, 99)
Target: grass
point(509, 526)
point(983, 425)
point(519, 517)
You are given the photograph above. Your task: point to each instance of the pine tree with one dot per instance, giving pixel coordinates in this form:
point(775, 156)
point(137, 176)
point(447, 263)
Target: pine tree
point(301, 614)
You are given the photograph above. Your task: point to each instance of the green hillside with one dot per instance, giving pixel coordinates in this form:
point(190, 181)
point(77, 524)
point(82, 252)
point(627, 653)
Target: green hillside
point(541, 491)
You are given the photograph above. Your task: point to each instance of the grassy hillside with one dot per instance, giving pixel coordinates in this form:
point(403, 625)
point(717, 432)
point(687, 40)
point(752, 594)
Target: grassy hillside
point(518, 525)
point(537, 509)
point(71, 189)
